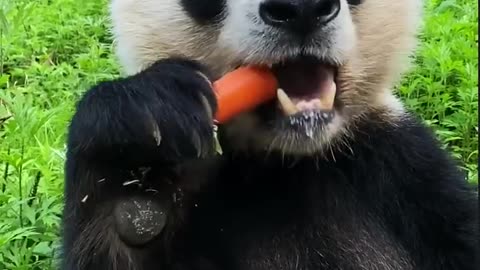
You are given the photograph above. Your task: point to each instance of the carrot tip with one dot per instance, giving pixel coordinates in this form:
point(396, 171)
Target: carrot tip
point(243, 89)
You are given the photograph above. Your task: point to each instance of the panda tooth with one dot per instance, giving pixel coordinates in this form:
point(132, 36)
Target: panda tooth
point(286, 103)
point(328, 98)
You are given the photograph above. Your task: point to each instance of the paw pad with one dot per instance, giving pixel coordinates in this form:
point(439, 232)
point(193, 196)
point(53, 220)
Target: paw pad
point(139, 220)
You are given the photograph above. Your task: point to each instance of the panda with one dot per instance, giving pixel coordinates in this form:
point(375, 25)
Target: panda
point(333, 174)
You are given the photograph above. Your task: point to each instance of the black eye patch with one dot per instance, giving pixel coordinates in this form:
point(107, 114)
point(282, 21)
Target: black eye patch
point(354, 2)
point(204, 11)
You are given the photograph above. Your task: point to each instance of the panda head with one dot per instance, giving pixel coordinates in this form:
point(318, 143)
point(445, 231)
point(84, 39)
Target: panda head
point(348, 53)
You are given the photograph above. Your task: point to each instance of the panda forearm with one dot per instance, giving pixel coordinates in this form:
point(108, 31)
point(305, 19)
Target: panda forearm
point(107, 223)
point(434, 196)
point(112, 120)
point(419, 192)
point(126, 140)
point(147, 118)
point(89, 231)
point(446, 228)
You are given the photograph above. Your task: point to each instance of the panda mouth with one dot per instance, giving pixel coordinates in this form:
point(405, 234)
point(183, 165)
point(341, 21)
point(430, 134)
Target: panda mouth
point(305, 85)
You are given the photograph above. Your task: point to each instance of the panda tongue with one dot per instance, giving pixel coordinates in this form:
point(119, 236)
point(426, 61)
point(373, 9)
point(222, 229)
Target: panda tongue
point(305, 86)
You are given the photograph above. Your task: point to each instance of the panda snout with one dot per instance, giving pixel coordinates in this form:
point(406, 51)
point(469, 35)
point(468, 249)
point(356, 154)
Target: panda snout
point(299, 17)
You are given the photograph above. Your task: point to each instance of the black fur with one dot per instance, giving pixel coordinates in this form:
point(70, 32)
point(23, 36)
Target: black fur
point(355, 2)
point(392, 199)
point(115, 121)
point(204, 11)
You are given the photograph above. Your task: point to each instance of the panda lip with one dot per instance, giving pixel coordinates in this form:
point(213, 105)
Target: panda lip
point(305, 84)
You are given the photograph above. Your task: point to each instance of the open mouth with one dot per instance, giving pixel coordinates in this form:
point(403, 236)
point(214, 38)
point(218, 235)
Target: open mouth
point(305, 85)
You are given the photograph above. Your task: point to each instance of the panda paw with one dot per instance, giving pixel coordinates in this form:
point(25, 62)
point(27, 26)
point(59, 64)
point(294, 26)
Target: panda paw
point(162, 114)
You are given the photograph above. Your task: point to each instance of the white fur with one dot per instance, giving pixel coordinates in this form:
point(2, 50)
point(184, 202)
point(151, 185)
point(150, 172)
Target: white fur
point(148, 30)
point(246, 35)
point(375, 39)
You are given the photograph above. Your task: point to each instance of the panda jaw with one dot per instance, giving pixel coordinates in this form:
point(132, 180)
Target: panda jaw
point(317, 93)
point(306, 116)
point(307, 86)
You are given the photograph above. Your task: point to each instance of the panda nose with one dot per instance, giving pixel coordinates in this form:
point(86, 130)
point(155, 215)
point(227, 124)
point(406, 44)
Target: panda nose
point(299, 16)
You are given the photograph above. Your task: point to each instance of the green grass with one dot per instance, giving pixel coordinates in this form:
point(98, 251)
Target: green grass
point(53, 50)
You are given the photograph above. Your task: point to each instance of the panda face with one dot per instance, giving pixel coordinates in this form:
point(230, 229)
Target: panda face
point(335, 60)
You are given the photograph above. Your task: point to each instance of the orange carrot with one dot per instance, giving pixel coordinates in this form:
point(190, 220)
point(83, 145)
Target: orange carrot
point(242, 90)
